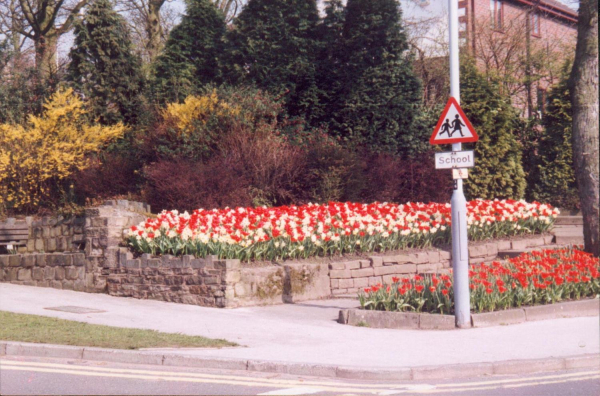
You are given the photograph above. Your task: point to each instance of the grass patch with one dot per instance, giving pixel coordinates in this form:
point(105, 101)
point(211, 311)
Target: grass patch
point(41, 329)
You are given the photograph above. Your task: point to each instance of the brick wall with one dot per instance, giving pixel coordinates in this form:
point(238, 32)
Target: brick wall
point(494, 48)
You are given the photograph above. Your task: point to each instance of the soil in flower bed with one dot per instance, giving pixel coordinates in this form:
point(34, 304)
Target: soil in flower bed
point(535, 278)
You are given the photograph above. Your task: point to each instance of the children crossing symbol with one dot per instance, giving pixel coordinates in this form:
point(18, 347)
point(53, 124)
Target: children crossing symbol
point(453, 126)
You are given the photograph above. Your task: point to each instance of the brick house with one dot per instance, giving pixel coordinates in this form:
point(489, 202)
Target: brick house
point(524, 42)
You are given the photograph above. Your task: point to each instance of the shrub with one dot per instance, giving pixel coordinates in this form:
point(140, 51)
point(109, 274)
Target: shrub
point(192, 130)
point(332, 172)
point(498, 171)
point(269, 163)
point(37, 158)
point(552, 177)
point(109, 175)
point(393, 179)
point(190, 185)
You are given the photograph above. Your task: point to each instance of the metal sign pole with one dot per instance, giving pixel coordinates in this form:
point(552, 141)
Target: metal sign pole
point(460, 249)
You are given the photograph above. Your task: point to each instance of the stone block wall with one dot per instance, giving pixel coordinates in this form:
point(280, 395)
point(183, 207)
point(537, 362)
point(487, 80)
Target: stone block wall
point(215, 283)
point(348, 277)
point(106, 266)
point(50, 234)
point(90, 243)
point(57, 270)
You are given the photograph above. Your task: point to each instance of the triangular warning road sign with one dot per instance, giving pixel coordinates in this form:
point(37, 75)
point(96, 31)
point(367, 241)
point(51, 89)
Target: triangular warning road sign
point(453, 126)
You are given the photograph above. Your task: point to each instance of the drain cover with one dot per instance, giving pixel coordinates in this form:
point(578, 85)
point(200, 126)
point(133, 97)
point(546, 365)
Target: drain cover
point(75, 309)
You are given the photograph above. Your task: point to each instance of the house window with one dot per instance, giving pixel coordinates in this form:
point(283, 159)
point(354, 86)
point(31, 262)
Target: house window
point(497, 13)
point(535, 24)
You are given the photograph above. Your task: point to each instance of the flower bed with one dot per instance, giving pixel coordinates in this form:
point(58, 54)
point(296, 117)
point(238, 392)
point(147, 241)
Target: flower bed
point(288, 232)
point(540, 277)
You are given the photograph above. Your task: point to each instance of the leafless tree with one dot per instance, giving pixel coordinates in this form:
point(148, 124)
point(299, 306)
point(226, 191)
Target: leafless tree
point(517, 62)
point(41, 21)
point(150, 22)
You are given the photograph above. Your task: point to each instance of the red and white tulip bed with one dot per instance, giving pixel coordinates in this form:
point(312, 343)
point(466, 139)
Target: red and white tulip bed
point(539, 277)
point(289, 232)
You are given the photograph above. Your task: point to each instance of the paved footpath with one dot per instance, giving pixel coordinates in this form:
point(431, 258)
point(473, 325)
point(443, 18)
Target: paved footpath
point(308, 332)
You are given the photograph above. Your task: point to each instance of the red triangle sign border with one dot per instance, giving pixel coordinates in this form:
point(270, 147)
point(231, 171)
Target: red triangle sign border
point(465, 139)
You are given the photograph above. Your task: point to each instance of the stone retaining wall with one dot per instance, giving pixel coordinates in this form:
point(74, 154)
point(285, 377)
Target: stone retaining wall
point(348, 277)
point(75, 253)
point(104, 266)
point(57, 270)
point(215, 283)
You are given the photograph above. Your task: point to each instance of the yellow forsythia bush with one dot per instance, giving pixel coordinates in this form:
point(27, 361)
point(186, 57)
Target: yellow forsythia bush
point(36, 157)
point(197, 108)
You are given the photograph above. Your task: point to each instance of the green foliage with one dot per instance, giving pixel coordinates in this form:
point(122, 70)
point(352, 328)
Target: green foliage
point(189, 60)
point(372, 94)
point(552, 178)
point(498, 171)
point(274, 45)
point(103, 67)
point(332, 172)
point(194, 129)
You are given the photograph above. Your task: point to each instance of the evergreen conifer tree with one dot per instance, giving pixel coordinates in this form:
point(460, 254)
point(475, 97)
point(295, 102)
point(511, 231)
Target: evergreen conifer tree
point(498, 171)
point(552, 179)
point(375, 100)
point(274, 45)
point(189, 60)
point(103, 67)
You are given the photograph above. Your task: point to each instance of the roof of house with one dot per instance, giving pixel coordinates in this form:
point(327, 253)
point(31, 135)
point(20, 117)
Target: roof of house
point(553, 6)
point(558, 5)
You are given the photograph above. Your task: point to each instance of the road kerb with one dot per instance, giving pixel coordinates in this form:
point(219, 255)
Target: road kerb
point(529, 366)
point(585, 361)
point(122, 356)
point(10, 348)
point(451, 371)
point(204, 362)
point(402, 374)
point(43, 350)
point(315, 370)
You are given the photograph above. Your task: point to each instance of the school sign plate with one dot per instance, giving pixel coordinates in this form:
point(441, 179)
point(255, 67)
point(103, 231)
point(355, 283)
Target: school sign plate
point(455, 159)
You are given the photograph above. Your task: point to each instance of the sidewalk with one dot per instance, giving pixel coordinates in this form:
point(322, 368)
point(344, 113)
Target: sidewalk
point(308, 332)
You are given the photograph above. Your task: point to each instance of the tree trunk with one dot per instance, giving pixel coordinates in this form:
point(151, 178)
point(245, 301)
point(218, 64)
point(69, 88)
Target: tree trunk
point(45, 54)
point(154, 28)
point(583, 85)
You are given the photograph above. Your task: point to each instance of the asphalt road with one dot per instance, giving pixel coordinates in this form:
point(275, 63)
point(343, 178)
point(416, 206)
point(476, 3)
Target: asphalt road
point(45, 376)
